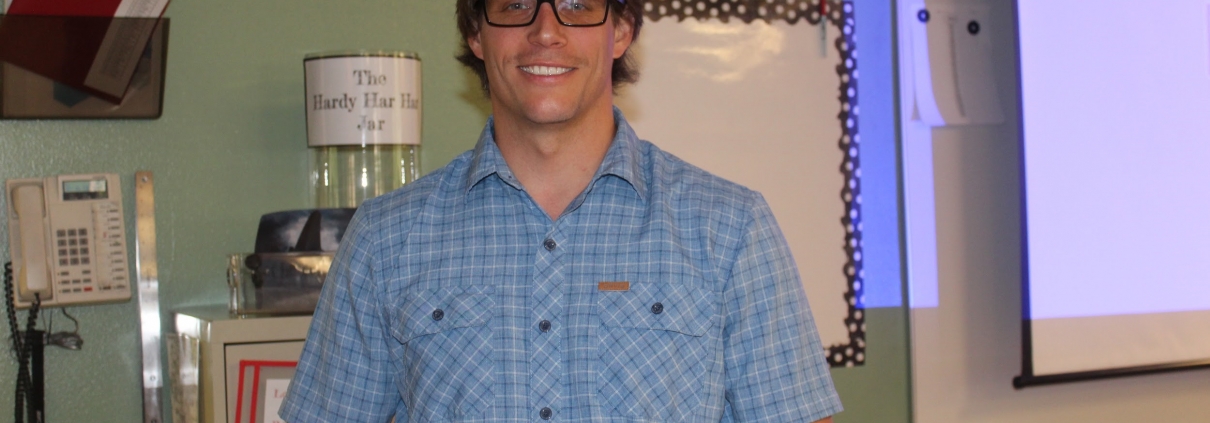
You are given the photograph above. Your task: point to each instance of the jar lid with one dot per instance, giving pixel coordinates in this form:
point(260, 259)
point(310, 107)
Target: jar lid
point(363, 53)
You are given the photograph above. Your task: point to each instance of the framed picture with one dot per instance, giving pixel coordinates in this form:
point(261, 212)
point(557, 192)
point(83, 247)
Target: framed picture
point(57, 67)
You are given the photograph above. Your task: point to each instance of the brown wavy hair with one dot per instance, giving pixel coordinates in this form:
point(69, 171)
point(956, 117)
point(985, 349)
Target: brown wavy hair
point(625, 69)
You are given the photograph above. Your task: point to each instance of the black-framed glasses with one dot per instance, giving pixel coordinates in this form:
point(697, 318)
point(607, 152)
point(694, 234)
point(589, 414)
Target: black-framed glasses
point(514, 13)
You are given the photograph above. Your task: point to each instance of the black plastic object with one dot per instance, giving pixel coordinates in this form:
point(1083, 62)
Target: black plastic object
point(311, 230)
point(293, 251)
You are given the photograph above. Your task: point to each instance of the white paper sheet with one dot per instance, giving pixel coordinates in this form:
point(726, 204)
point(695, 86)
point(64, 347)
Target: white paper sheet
point(275, 393)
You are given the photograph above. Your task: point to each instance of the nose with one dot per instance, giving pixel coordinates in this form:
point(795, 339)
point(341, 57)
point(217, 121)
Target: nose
point(546, 29)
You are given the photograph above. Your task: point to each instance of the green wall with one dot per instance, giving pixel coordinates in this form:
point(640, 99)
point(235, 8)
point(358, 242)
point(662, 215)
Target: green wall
point(231, 145)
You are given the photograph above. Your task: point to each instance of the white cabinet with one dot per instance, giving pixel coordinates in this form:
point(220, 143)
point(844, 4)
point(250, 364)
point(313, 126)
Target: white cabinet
point(241, 365)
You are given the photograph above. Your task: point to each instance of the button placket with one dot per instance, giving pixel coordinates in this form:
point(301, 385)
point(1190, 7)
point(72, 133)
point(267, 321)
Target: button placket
point(546, 307)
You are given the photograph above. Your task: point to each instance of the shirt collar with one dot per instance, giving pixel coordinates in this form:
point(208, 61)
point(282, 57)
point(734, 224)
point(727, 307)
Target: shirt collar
point(624, 159)
point(486, 160)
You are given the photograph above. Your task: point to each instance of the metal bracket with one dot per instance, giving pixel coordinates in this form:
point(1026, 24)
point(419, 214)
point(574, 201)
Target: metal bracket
point(149, 295)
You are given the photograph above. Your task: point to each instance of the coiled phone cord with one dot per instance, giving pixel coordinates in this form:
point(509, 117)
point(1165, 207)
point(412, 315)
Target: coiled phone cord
point(18, 343)
point(21, 346)
point(12, 311)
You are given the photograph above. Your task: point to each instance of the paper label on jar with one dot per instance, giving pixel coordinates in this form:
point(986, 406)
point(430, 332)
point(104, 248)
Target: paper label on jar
point(363, 100)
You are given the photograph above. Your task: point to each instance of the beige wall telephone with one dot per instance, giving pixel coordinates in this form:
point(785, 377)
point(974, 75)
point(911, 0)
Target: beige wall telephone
point(67, 240)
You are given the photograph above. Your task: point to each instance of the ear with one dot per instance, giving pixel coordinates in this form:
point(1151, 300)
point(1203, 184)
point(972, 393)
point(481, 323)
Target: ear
point(476, 44)
point(623, 35)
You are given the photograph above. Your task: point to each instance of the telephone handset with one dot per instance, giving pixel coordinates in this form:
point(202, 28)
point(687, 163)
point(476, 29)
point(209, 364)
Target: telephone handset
point(67, 240)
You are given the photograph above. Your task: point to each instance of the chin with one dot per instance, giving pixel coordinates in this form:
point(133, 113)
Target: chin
point(550, 113)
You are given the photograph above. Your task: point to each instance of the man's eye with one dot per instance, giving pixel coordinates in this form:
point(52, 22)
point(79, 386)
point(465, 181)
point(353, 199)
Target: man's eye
point(573, 6)
point(514, 5)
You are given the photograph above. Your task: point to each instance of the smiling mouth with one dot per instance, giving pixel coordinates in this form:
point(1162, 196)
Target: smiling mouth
point(545, 70)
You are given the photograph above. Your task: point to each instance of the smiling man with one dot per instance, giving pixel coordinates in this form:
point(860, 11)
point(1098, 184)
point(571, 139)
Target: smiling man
point(563, 270)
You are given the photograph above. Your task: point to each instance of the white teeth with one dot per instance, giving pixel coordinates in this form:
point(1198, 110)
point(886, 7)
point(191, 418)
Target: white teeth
point(545, 70)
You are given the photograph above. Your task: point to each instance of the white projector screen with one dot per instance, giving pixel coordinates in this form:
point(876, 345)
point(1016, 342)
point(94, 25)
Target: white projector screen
point(1116, 183)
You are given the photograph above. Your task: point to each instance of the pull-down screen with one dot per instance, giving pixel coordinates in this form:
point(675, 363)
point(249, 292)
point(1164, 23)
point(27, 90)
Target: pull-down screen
point(1116, 162)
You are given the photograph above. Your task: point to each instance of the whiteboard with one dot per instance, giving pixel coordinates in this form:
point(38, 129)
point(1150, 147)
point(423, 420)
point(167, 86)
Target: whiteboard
point(756, 103)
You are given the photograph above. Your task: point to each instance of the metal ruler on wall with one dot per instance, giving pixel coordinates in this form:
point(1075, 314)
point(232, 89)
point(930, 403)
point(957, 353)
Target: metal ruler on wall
point(149, 295)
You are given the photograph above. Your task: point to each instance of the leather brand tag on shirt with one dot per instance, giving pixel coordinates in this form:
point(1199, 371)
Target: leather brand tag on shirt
point(613, 286)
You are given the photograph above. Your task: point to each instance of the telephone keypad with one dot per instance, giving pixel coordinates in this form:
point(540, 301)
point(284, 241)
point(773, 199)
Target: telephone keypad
point(73, 254)
point(76, 276)
point(71, 238)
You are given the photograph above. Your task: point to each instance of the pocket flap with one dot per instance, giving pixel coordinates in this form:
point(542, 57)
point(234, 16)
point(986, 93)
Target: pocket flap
point(433, 311)
point(661, 306)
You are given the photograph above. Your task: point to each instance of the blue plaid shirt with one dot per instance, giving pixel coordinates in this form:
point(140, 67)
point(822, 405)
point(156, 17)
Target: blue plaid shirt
point(457, 299)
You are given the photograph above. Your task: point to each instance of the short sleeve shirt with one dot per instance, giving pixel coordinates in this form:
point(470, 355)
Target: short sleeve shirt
point(661, 294)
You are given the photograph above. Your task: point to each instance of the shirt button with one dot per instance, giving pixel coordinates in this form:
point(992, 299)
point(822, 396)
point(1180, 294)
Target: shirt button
point(546, 413)
point(549, 244)
point(657, 308)
point(544, 325)
point(438, 314)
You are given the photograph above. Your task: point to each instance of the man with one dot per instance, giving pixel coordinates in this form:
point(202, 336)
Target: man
point(563, 270)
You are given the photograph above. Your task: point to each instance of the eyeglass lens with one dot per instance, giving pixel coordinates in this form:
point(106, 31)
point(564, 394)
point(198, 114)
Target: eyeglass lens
point(569, 12)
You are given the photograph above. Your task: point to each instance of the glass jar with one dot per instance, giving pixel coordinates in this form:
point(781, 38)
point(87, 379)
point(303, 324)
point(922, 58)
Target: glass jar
point(363, 124)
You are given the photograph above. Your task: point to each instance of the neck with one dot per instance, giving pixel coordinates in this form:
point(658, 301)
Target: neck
point(555, 162)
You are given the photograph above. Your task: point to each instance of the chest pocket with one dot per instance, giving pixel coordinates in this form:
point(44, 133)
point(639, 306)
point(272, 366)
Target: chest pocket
point(446, 350)
point(654, 345)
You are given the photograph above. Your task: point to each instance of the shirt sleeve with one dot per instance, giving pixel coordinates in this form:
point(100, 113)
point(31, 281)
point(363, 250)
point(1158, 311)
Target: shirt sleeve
point(775, 365)
point(344, 373)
